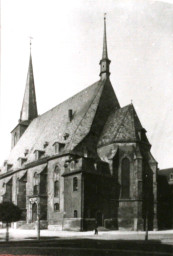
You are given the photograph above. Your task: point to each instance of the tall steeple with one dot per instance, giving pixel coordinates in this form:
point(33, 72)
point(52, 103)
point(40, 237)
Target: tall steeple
point(104, 62)
point(29, 106)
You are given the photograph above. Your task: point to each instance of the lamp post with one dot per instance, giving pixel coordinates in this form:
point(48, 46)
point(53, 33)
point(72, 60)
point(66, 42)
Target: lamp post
point(37, 201)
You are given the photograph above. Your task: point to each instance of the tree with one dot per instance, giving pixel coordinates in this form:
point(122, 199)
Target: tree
point(9, 212)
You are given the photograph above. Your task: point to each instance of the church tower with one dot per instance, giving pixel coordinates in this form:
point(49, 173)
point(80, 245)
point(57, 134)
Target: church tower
point(104, 62)
point(29, 106)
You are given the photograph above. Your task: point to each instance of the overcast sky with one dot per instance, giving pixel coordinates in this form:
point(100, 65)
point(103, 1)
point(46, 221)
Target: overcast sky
point(66, 51)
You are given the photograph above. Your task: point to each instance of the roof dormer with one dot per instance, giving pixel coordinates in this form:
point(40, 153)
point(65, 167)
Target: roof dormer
point(58, 147)
point(38, 154)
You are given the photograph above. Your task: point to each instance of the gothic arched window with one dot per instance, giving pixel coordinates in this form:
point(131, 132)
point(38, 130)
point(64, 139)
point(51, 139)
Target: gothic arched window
point(125, 178)
point(36, 183)
point(56, 181)
point(75, 184)
point(56, 188)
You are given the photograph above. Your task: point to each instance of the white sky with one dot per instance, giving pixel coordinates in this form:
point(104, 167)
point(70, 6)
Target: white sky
point(66, 51)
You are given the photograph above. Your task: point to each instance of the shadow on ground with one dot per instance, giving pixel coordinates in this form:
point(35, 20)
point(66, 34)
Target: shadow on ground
point(85, 247)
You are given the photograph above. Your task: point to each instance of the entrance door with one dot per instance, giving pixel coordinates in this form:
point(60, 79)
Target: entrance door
point(99, 217)
point(34, 212)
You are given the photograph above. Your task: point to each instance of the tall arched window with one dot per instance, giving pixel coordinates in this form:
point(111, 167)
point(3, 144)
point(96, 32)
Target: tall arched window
point(75, 184)
point(125, 178)
point(56, 181)
point(36, 183)
point(56, 188)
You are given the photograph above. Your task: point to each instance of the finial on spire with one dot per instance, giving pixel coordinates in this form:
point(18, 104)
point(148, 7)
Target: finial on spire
point(30, 42)
point(104, 63)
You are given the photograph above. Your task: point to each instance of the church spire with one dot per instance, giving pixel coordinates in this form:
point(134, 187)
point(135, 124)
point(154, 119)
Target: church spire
point(29, 106)
point(104, 62)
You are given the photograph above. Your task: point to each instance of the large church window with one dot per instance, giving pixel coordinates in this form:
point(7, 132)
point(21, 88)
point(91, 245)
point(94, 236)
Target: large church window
point(75, 184)
point(36, 184)
point(125, 178)
point(56, 181)
point(56, 188)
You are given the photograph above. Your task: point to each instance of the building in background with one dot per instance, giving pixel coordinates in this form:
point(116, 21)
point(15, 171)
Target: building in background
point(87, 161)
point(165, 198)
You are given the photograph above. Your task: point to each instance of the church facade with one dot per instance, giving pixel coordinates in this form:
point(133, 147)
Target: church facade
point(85, 162)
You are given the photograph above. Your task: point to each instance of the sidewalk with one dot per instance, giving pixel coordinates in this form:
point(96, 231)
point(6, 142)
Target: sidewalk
point(18, 235)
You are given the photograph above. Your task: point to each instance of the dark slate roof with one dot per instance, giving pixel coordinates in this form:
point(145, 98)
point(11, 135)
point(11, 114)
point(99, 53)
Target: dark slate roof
point(165, 172)
point(121, 126)
point(51, 126)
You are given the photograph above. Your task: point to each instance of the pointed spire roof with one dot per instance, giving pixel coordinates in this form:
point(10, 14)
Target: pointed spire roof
point(104, 62)
point(105, 51)
point(29, 106)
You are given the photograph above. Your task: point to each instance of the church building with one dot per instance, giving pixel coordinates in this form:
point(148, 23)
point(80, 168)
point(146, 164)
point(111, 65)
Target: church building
point(85, 162)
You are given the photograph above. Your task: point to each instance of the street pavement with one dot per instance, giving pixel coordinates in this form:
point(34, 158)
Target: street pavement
point(68, 243)
point(18, 235)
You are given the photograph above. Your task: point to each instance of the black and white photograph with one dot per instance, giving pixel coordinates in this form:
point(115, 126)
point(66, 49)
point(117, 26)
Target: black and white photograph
point(86, 127)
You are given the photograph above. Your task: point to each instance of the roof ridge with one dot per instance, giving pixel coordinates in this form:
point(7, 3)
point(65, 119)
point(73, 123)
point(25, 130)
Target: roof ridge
point(101, 87)
point(69, 98)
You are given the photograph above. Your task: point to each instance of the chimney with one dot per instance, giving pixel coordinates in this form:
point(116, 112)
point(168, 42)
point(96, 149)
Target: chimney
point(70, 114)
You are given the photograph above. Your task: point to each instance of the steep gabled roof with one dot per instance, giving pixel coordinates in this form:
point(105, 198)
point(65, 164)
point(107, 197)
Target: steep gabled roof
point(52, 125)
point(121, 126)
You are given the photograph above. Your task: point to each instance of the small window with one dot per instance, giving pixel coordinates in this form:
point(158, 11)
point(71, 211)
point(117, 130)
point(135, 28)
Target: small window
point(75, 213)
point(61, 147)
point(58, 147)
point(75, 184)
point(56, 188)
point(56, 207)
point(9, 166)
point(171, 176)
point(38, 154)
